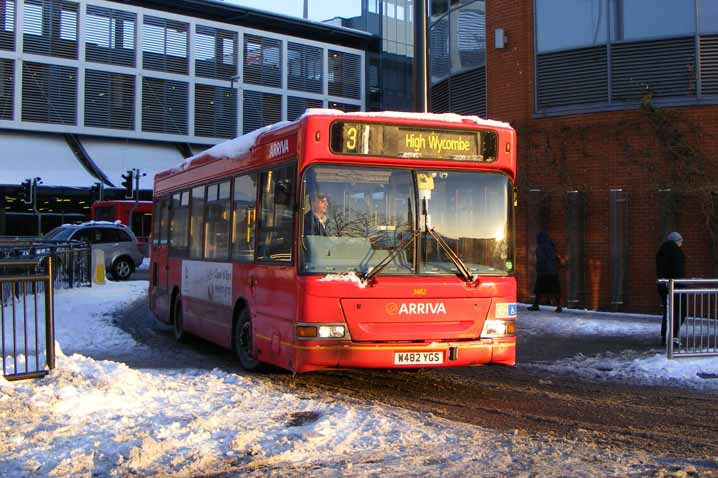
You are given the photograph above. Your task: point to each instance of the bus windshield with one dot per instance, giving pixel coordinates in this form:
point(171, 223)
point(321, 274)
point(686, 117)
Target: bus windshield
point(354, 217)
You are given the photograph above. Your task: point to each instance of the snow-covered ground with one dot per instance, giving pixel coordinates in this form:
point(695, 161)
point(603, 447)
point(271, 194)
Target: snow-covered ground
point(650, 367)
point(91, 417)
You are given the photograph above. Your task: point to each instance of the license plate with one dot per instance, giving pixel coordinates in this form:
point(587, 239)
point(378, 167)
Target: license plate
point(418, 358)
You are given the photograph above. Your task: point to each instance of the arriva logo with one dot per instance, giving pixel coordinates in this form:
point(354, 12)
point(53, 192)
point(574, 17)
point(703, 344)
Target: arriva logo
point(415, 309)
point(278, 148)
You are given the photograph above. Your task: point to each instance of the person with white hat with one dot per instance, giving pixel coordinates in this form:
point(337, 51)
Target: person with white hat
point(671, 264)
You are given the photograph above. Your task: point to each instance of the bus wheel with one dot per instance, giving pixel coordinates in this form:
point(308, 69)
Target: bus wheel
point(243, 338)
point(177, 323)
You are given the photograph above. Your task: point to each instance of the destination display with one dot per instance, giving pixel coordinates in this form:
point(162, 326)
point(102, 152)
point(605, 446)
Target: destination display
point(409, 142)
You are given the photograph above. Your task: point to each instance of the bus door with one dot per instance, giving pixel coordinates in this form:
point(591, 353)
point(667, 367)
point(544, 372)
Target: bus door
point(272, 282)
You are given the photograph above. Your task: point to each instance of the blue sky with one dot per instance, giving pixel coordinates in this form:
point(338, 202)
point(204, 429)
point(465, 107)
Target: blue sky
point(318, 9)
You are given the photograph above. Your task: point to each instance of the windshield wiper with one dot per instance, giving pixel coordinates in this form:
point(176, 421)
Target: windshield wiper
point(371, 273)
point(453, 257)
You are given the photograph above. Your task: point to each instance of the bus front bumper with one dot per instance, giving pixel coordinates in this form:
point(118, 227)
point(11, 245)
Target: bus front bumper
point(316, 355)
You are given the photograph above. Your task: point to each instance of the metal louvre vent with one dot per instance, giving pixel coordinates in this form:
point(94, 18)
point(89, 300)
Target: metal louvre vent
point(164, 106)
point(50, 28)
point(440, 97)
point(215, 53)
point(215, 111)
point(345, 107)
point(7, 71)
point(709, 65)
point(344, 74)
point(468, 92)
point(260, 109)
point(109, 100)
point(304, 67)
point(297, 106)
point(572, 77)
point(110, 36)
point(664, 67)
point(7, 25)
point(49, 93)
point(262, 61)
point(164, 45)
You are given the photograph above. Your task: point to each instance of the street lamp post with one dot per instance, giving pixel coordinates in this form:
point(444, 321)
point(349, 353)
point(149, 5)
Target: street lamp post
point(421, 57)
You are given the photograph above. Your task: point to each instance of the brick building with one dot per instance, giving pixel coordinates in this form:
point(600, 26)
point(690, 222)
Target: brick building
point(615, 102)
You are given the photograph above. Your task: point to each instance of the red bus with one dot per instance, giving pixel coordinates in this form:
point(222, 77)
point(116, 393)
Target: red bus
point(363, 240)
point(137, 215)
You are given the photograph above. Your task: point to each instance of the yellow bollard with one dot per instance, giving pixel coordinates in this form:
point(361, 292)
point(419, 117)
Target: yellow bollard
point(98, 266)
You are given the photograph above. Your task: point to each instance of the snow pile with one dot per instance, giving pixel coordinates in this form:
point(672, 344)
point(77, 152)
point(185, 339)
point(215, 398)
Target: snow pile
point(97, 418)
point(234, 147)
point(647, 367)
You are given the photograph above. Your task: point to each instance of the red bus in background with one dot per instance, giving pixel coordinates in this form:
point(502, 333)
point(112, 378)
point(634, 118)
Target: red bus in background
point(137, 215)
point(344, 240)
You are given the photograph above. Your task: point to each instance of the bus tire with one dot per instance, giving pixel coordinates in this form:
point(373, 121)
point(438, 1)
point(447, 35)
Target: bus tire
point(244, 340)
point(122, 268)
point(180, 334)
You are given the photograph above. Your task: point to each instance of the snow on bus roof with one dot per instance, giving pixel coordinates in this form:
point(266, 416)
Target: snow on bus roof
point(242, 144)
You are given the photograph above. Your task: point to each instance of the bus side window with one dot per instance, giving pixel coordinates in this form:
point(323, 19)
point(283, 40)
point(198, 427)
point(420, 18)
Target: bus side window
point(156, 219)
point(164, 221)
point(216, 241)
point(244, 213)
point(276, 225)
point(179, 227)
point(196, 222)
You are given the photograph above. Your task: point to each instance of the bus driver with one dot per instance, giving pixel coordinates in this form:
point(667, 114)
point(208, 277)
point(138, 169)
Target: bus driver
point(315, 220)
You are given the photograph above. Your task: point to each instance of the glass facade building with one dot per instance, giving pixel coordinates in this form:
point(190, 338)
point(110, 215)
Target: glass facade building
point(457, 56)
point(612, 53)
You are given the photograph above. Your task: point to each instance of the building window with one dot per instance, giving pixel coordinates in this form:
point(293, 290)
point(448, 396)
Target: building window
point(164, 45)
point(648, 19)
point(215, 53)
point(344, 74)
point(297, 106)
point(262, 61)
point(109, 100)
point(110, 36)
point(7, 72)
point(50, 28)
point(164, 106)
point(7, 25)
point(49, 93)
point(260, 109)
point(215, 111)
point(305, 68)
point(587, 25)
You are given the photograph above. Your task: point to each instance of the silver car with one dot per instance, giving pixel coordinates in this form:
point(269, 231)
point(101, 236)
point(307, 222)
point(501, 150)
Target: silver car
point(122, 252)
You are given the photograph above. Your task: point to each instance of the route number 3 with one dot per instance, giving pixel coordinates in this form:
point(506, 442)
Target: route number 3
point(351, 140)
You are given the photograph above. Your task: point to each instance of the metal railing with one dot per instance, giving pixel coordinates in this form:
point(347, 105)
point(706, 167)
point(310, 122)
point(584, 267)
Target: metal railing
point(27, 317)
point(72, 259)
point(693, 302)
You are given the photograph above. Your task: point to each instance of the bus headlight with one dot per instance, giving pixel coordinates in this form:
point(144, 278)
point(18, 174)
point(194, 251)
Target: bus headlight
point(321, 331)
point(499, 328)
point(331, 331)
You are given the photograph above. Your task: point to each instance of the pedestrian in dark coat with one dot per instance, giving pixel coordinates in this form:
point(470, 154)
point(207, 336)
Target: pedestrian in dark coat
point(671, 264)
point(547, 269)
